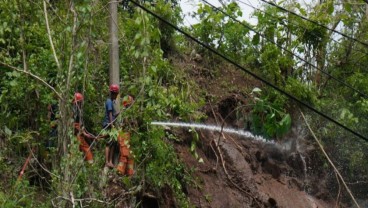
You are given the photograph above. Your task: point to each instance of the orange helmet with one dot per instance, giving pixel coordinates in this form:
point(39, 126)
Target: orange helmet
point(78, 97)
point(114, 88)
point(127, 100)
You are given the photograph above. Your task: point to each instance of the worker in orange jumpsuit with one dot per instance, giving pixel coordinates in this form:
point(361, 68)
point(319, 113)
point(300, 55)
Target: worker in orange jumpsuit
point(83, 136)
point(126, 159)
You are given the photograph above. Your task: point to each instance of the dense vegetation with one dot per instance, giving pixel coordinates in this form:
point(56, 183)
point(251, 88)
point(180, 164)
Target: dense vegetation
point(49, 50)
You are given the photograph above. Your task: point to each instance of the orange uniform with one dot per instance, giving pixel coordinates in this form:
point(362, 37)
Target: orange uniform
point(126, 160)
point(81, 134)
point(83, 144)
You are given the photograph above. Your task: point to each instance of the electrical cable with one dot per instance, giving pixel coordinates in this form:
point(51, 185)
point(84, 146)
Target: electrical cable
point(275, 17)
point(290, 52)
point(249, 72)
point(314, 22)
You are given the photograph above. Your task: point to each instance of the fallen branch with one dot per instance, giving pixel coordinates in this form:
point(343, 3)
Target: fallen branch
point(339, 192)
point(229, 178)
point(25, 164)
point(329, 160)
point(223, 161)
point(73, 200)
point(44, 168)
point(32, 75)
point(223, 123)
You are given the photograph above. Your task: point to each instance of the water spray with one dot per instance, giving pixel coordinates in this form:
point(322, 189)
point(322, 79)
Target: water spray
point(239, 132)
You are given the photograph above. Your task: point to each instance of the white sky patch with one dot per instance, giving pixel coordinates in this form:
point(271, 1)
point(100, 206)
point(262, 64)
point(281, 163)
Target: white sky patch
point(190, 6)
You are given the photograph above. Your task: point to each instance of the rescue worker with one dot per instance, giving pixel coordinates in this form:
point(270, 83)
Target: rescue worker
point(126, 159)
point(108, 123)
point(83, 136)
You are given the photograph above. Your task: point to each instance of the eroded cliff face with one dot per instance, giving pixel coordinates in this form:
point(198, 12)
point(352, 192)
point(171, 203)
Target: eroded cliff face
point(242, 172)
point(239, 171)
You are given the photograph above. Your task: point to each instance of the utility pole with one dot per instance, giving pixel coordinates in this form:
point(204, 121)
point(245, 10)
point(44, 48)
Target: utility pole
point(114, 74)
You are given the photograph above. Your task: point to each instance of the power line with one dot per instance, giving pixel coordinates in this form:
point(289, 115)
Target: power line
point(275, 17)
point(285, 49)
point(249, 72)
point(314, 22)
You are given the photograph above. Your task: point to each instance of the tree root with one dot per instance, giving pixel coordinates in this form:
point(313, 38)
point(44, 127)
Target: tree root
point(223, 163)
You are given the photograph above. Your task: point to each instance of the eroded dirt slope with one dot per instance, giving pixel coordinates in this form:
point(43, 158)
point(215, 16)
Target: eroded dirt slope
point(239, 171)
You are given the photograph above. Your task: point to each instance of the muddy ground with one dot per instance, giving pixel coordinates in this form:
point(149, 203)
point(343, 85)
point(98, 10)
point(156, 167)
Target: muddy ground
point(238, 171)
point(241, 172)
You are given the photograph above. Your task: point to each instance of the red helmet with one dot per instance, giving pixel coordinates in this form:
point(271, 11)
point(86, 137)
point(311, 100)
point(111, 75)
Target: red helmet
point(114, 88)
point(78, 97)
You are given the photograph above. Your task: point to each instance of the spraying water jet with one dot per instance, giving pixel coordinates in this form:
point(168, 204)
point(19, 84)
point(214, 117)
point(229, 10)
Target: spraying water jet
point(238, 132)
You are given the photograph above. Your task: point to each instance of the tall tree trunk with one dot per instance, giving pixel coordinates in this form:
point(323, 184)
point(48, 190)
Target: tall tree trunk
point(114, 47)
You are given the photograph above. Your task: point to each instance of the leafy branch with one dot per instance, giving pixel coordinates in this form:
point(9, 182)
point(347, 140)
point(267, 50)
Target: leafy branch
point(32, 75)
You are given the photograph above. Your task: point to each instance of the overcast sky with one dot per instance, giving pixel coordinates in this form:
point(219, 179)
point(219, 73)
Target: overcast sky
point(189, 6)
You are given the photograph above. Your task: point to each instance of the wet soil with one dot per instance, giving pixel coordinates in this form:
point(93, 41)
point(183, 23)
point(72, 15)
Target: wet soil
point(238, 171)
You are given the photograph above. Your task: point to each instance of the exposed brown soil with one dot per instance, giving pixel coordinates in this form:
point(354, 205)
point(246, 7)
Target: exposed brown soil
point(238, 171)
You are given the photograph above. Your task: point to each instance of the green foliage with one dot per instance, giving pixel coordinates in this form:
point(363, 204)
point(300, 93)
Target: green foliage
point(170, 12)
point(193, 145)
point(84, 178)
point(165, 93)
point(268, 115)
point(112, 133)
point(23, 196)
point(221, 32)
point(161, 92)
point(303, 92)
point(268, 58)
point(162, 166)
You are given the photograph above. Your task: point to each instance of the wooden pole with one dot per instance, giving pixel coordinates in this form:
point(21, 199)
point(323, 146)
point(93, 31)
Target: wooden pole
point(114, 48)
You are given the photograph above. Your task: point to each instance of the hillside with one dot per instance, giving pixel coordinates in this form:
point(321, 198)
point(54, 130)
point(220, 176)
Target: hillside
point(230, 170)
point(122, 104)
point(238, 171)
